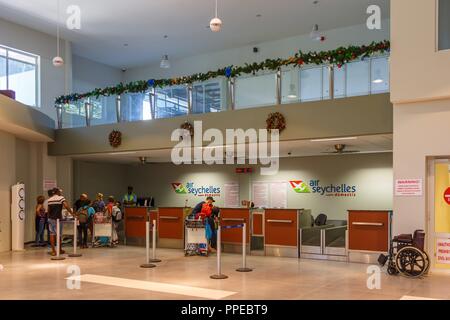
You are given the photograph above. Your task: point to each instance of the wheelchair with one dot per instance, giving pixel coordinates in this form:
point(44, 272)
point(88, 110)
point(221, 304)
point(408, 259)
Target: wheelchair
point(407, 256)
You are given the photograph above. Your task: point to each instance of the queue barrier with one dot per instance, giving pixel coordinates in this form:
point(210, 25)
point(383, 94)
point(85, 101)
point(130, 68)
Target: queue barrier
point(58, 242)
point(149, 262)
point(244, 267)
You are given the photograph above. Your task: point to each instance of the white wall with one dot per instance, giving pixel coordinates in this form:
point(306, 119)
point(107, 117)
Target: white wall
point(53, 80)
point(88, 75)
point(353, 35)
point(370, 173)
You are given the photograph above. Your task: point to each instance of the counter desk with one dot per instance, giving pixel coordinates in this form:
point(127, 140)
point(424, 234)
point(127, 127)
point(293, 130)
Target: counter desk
point(135, 218)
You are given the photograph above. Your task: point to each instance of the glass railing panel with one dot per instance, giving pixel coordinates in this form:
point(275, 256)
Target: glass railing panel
point(379, 81)
point(171, 102)
point(358, 78)
point(311, 237)
point(290, 90)
point(73, 115)
point(255, 91)
point(132, 106)
point(209, 96)
point(311, 84)
point(103, 110)
point(335, 237)
point(339, 82)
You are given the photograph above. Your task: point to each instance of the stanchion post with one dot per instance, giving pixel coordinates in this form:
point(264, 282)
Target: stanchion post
point(74, 254)
point(153, 259)
point(219, 274)
point(58, 242)
point(244, 251)
point(147, 263)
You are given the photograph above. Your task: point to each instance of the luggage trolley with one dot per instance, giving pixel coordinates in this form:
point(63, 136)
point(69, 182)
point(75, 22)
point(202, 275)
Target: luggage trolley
point(102, 227)
point(195, 241)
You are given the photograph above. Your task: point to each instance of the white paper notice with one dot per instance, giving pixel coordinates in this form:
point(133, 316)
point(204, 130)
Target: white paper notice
point(260, 191)
point(443, 251)
point(408, 187)
point(231, 191)
point(278, 195)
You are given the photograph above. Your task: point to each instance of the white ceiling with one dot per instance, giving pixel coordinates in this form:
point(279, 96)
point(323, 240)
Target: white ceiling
point(108, 24)
point(297, 148)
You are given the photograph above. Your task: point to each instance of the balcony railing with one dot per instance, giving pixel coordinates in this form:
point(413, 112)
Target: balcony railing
point(309, 83)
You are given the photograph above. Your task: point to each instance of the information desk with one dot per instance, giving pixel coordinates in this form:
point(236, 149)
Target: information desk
point(368, 234)
point(171, 227)
point(232, 238)
point(135, 218)
point(281, 232)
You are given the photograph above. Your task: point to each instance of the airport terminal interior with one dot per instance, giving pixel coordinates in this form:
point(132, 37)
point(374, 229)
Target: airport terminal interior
point(224, 150)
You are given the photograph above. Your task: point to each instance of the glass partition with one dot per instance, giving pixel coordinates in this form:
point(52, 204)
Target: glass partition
point(335, 239)
point(314, 83)
point(255, 91)
point(74, 115)
point(103, 110)
point(311, 240)
point(357, 78)
point(379, 75)
point(171, 102)
point(339, 82)
point(132, 106)
point(209, 96)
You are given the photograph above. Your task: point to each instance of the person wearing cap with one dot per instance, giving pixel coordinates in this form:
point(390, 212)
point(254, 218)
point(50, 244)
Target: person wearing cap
point(204, 210)
point(202, 206)
point(130, 198)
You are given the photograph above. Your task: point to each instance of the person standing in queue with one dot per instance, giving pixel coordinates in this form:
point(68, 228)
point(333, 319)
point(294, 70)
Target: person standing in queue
point(130, 198)
point(56, 203)
point(204, 210)
point(80, 202)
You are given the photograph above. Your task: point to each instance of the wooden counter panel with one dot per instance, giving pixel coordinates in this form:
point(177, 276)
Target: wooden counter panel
point(227, 219)
point(135, 218)
point(257, 224)
point(368, 230)
point(281, 227)
point(170, 223)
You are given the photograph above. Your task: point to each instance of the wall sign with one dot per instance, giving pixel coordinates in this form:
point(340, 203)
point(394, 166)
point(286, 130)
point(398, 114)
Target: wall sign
point(49, 184)
point(278, 195)
point(231, 198)
point(408, 187)
point(260, 192)
point(447, 195)
point(197, 190)
point(329, 190)
point(443, 251)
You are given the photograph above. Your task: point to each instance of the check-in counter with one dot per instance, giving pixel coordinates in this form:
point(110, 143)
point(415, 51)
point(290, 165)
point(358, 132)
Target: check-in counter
point(135, 218)
point(281, 232)
point(171, 227)
point(232, 238)
point(368, 234)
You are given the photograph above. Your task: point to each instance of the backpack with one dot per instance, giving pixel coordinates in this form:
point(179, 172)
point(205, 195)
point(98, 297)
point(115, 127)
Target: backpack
point(321, 220)
point(116, 214)
point(82, 215)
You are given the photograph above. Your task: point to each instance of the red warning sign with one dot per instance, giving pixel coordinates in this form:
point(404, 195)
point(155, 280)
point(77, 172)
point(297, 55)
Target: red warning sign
point(447, 195)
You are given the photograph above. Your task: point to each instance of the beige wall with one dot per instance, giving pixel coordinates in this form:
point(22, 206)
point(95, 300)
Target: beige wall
point(26, 162)
point(420, 91)
point(371, 173)
point(418, 71)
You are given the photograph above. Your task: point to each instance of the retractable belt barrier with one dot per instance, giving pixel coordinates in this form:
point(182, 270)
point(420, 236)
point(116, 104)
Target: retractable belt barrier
point(74, 254)
point(147, 263)
point(58, 242)
point(244, 268)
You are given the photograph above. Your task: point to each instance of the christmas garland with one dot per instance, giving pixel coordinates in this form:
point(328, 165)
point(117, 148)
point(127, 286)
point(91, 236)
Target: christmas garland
point(115, 138)
point(276, 121)
point(338, 57)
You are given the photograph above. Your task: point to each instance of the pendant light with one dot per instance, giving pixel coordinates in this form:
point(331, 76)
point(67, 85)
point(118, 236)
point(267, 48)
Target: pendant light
point(315, 34)
point(215, 24)
point(58, 61)
point(165, 63)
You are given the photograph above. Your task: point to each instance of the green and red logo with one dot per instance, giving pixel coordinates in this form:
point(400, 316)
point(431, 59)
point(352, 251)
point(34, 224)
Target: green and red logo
point(179, 188)
point(300, 186)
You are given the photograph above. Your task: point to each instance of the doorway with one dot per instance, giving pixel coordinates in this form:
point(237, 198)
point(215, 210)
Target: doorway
point(438, 213)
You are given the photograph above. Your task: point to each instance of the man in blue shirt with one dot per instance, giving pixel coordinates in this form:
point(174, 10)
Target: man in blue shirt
point(130, 199)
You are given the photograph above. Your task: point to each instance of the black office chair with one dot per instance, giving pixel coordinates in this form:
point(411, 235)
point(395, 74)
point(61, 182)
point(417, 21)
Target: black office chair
point(321, 220)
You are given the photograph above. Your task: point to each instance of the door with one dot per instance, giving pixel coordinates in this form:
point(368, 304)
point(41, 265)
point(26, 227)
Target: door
point(438, 222)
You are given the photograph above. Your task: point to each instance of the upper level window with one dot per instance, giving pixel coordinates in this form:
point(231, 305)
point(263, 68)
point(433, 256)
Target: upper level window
point(444, 24)
point(19, 71)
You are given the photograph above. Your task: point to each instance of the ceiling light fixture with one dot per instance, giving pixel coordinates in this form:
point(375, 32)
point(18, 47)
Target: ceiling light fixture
point(334, 139)
point(58, 61)
point(315, 34)
point(215, 24)
point(165, 63)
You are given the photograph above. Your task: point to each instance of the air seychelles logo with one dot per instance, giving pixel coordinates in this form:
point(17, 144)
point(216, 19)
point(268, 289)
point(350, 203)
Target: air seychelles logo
point(198, 191)
point(329, 190)
point(299, 186)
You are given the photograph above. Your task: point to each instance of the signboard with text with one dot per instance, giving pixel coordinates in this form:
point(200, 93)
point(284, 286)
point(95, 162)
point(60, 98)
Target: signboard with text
point(408, 187)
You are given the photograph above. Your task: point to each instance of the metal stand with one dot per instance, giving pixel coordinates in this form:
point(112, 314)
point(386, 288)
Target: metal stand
point(58, 242)
point(153, 259)
point(75, 241)
point(219, 274)
point(147, 265)
point(244, 251)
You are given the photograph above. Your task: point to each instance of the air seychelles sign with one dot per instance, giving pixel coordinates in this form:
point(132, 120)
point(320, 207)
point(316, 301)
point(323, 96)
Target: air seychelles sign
point(198, 191)
point(330, 190)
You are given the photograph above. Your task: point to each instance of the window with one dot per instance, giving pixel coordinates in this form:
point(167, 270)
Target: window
point(19, 71)
point(444, 24)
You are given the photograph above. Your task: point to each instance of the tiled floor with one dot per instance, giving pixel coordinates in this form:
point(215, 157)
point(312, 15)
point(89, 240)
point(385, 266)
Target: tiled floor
point(32, 275)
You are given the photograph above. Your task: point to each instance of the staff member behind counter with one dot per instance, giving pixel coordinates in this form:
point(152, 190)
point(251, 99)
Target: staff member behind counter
point(129, 199)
